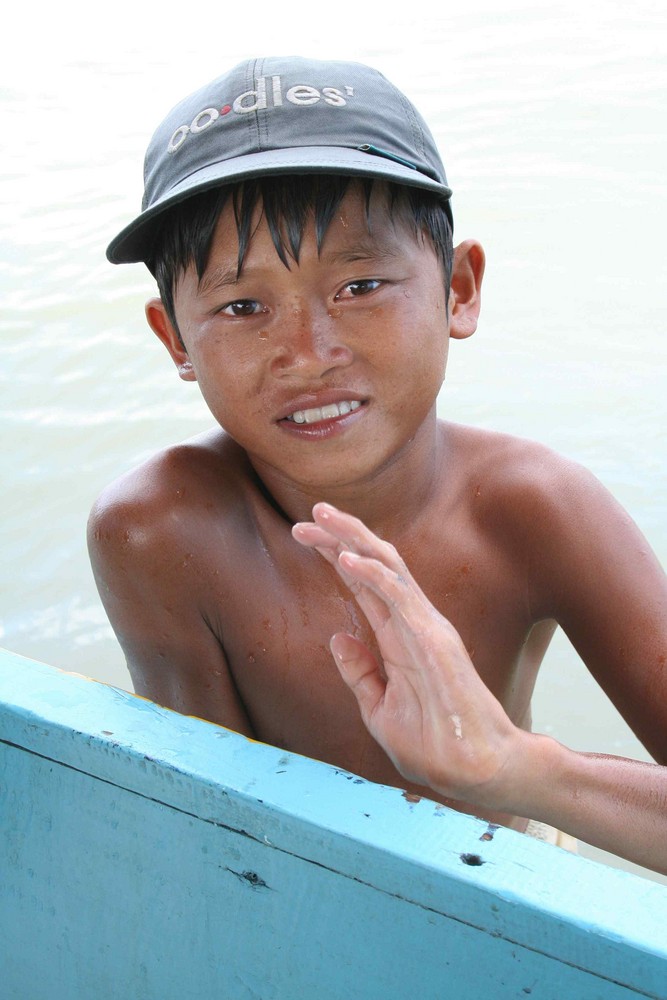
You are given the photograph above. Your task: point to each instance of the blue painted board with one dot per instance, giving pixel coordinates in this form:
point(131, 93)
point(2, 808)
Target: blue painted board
point(144, 854)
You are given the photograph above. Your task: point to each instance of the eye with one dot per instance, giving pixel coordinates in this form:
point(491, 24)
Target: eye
point(243, 307)
point(357, 288)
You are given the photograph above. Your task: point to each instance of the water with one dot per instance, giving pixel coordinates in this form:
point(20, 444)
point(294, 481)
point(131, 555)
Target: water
point(550, 119)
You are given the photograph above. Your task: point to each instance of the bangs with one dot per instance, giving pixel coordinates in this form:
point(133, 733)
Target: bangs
point(288, 204)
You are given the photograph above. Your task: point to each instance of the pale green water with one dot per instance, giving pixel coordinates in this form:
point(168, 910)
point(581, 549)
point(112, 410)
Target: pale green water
point(550, 120)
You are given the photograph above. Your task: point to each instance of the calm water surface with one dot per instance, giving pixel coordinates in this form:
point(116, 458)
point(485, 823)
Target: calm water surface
point(551, 125)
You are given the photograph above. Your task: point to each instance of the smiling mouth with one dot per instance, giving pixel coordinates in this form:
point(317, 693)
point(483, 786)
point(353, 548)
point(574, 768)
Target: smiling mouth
point(318, 413)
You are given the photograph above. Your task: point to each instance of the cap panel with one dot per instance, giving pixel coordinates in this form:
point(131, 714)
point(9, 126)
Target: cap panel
point(281, 115)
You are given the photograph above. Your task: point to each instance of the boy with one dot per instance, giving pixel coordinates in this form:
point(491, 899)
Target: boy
point(297, 220)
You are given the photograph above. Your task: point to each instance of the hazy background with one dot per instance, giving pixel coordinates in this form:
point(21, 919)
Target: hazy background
point(550, 119)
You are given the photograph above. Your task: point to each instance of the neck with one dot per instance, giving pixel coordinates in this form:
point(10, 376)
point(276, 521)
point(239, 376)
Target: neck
point(393, 497)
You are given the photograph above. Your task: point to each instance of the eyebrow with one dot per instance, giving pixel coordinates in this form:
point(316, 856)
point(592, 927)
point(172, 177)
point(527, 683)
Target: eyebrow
point(371, 249)
point(222, 277)
point(217, 279)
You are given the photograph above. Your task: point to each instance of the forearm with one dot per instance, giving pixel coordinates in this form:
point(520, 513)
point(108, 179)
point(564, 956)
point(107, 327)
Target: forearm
point(616, 804)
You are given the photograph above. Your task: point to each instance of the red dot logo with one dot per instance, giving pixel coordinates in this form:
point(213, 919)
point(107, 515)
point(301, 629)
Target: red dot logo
point(225, 111)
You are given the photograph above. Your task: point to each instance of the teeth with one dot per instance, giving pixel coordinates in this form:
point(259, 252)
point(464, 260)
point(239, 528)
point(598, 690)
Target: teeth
point(325, 412)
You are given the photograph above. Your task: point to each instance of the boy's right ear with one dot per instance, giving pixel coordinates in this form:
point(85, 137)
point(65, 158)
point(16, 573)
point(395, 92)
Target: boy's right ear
point(163, 328)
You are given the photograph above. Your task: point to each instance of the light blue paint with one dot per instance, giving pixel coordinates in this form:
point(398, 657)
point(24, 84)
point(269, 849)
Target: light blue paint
point(149, 855)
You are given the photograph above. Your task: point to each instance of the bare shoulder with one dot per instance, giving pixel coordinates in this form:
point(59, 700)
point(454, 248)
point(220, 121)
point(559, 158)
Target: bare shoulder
point(509, 459)
point(158, 540)
point(516, 481)
point(171, 495)
point(586, 565)
point(559, 520)
point(155, 533)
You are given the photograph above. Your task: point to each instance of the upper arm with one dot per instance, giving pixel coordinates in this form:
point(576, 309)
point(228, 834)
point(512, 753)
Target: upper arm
point(595, 573)
point(151, 585)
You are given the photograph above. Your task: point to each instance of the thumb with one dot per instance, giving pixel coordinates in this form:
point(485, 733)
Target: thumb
point(360, 671)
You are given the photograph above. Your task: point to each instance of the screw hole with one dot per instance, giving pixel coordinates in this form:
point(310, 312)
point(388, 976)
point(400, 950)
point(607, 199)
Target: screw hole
point(472, 859)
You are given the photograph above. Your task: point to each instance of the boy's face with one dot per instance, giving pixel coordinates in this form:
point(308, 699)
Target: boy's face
point(326, 371)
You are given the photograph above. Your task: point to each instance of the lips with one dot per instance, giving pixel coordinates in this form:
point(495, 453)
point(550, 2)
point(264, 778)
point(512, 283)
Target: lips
point(316, 414)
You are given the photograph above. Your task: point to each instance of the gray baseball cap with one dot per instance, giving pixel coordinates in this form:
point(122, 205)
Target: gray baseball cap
point(283, 115)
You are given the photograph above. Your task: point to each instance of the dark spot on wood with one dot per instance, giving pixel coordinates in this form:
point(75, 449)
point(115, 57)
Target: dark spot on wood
point(250, 878)
point(472, 859)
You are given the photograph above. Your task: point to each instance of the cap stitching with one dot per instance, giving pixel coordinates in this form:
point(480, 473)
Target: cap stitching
point(259, 125)
point(415, 127)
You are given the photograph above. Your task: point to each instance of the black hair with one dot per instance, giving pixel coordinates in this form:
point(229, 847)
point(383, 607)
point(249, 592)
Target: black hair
point(185, 233)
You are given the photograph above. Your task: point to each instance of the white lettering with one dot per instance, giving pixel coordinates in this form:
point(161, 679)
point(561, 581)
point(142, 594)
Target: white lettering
point(260, 99)
point(209, 115)
point(303, 95)
point(177, 139)
point(333, 97)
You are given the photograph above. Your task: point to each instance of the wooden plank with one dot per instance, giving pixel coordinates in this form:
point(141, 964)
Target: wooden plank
point(146, 854)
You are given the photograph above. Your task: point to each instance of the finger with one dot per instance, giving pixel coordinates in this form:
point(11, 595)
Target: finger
point(313, 535)
point(402, 617)
point(354, 535)
point(327, 545)
point(397, 590)
point(373, 605)
point(355, 538)
point(336, 533)
point(360, 671)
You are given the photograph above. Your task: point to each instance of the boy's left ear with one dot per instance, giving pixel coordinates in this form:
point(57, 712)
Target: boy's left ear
point(466, 287)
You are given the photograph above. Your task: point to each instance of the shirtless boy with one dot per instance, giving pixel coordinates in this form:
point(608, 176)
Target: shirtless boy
point(297, 219)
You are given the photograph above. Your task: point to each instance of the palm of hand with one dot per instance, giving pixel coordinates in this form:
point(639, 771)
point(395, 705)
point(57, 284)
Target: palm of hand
point(425, 703)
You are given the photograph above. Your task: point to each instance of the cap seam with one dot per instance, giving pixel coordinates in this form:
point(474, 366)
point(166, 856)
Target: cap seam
point(256, 126)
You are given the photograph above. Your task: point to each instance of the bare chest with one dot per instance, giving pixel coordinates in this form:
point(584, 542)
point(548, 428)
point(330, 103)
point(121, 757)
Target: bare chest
point(276, 618)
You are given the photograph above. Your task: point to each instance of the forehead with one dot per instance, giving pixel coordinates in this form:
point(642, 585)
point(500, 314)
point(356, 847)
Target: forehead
point(362, 225)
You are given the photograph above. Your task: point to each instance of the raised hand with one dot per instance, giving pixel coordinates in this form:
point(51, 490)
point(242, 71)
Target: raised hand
point(424, 702)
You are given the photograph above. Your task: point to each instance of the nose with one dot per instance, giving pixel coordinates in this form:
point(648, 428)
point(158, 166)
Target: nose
point(310, 343)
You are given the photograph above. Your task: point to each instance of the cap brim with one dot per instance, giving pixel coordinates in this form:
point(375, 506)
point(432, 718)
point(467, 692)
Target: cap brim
point(135, 242)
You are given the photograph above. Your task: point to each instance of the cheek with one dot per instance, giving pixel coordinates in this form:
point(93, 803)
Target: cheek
point(230, 388)
point(224, 365)
point(426, 348)
point(429, 364)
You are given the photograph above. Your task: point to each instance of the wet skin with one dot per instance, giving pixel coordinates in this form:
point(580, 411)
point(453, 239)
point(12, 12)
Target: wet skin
point(222, 614)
